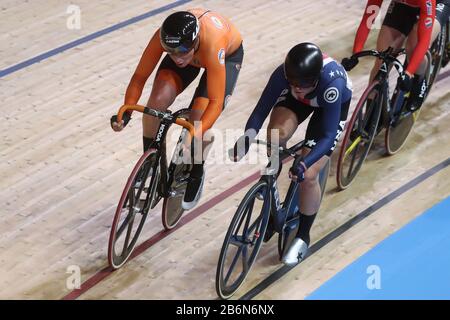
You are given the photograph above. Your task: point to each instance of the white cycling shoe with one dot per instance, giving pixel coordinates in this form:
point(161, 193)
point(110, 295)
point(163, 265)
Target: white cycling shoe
point(296, 252)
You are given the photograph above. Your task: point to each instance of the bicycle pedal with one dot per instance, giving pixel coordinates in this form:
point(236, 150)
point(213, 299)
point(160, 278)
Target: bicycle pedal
point(260, 195)
point(182, 180)
point(136, 209)
point(141, 206)
point(176, 193)
point(412, 108)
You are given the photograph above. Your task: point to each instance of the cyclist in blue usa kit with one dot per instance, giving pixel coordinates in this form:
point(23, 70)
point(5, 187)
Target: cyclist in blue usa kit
point(308, 82)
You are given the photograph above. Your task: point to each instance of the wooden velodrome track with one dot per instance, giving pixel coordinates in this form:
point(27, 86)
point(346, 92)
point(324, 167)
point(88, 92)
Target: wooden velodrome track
point(62, 168)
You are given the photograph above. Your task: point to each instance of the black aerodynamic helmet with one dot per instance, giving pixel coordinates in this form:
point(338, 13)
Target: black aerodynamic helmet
point(179, 32)
point(303, 65)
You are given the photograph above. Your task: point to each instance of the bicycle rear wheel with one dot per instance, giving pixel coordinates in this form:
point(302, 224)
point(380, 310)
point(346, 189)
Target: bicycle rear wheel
point(437, 52)
point(398, 130)
point(359, 135)
point(243, 241)
point(138, 196)
point(172, 210)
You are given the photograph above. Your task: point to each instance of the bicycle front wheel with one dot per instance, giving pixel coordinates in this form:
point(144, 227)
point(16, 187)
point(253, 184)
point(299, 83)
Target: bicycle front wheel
point(243, 240)
point(137, 198)
point(359, 135)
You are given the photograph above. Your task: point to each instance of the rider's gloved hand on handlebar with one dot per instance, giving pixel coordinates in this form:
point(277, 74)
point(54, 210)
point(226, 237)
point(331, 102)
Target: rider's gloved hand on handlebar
point(404, 82)
point(349, 63)
point(242, 146)
point(119, 126)
point(297, 171)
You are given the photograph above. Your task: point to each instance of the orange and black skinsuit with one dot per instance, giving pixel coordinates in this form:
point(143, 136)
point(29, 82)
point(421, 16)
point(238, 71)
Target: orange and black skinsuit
point(220, 53)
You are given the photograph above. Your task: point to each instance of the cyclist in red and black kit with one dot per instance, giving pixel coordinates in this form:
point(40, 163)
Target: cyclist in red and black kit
point(411, 20)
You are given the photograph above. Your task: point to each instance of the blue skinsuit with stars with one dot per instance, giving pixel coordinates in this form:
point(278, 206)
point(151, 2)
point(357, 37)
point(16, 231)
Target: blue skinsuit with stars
point(334, 90)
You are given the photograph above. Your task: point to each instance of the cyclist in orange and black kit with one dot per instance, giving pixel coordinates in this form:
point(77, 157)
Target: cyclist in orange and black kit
point(413, 20)
point(193, 39)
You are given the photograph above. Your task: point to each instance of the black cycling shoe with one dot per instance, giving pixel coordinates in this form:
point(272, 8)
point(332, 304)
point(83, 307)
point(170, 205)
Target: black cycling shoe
point(194, 190)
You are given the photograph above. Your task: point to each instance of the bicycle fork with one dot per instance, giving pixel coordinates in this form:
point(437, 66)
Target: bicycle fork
point(175, 181)
point(277, 211)
point(274, 209)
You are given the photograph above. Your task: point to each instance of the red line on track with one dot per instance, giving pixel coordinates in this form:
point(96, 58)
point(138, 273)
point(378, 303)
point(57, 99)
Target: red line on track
point(104, 273)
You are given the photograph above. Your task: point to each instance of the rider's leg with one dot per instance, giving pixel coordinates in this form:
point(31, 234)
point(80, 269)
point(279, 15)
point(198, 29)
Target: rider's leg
point(397, 24)
point(310, 196)
point(388, 37)
point(310, 191)
point(419, 86)
point(169, 82)
point(200, 100)
point(287, 114)
point(197, 157)
point(199, 105)
point(165, 90)
point(411, 43)
point(282, 125)
point(284, 122)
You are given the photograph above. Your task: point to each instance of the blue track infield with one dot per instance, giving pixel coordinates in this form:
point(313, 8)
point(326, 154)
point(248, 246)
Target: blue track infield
point(413, 263)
